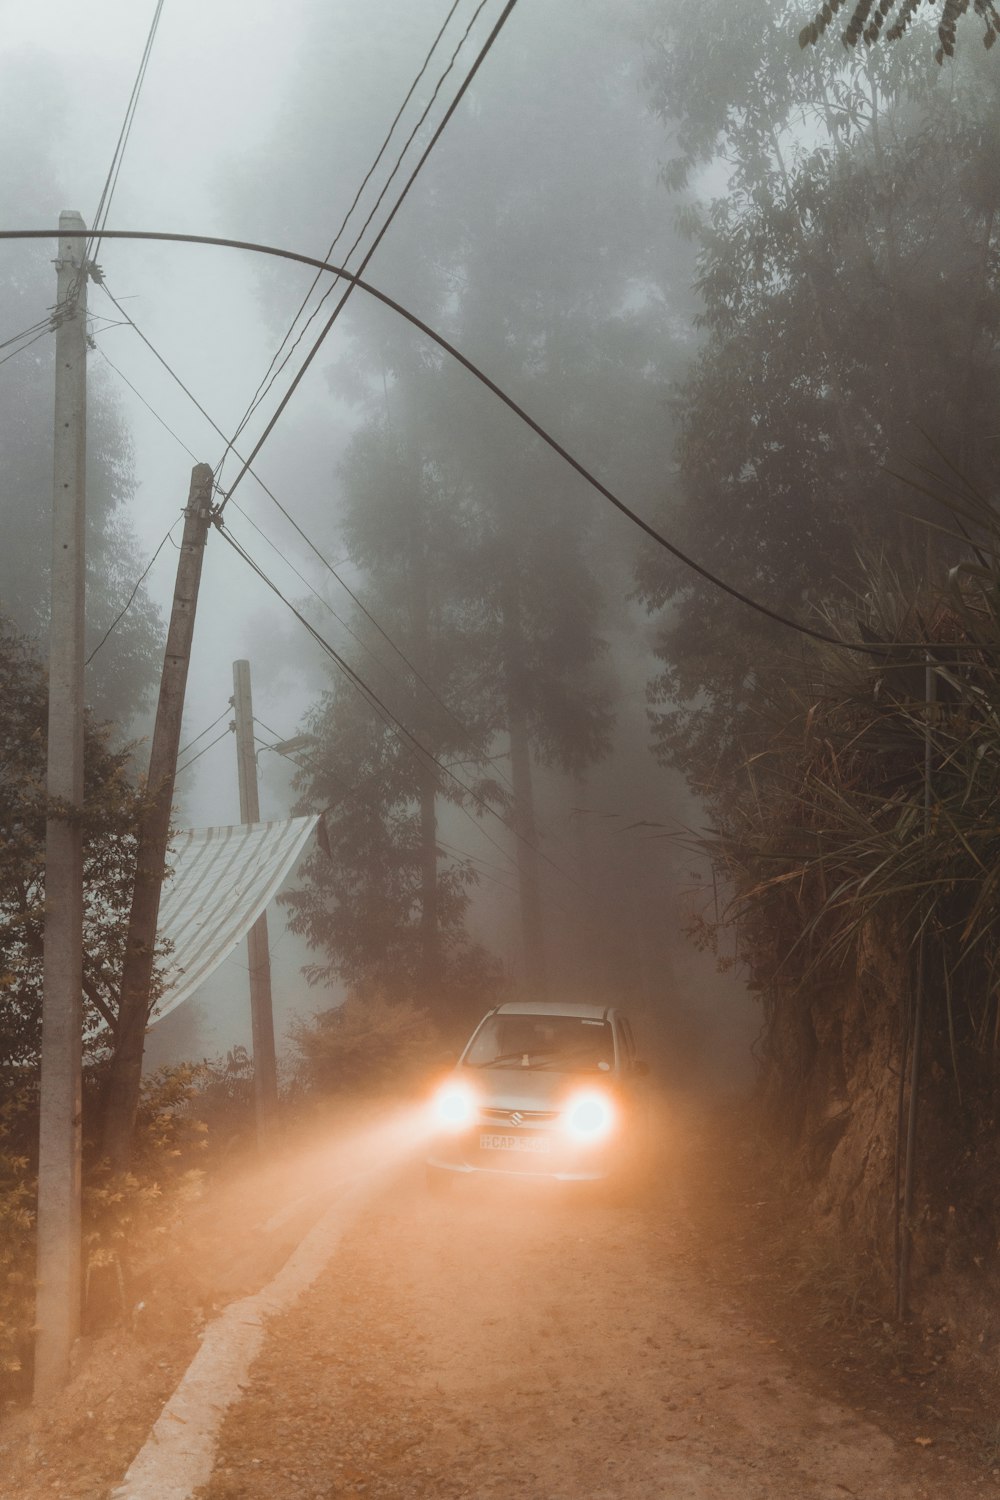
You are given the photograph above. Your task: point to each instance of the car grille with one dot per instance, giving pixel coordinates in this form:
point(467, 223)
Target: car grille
point(518, 1116)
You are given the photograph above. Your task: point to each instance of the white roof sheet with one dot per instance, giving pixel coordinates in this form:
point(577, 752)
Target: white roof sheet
point(221, 881)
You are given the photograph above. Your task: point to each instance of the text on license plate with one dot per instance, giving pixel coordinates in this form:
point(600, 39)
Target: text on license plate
point(491, 1142)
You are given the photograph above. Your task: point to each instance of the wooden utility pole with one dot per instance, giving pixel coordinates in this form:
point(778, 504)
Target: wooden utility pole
point(57, 1309)
point(265, 1072)
point(137, 969)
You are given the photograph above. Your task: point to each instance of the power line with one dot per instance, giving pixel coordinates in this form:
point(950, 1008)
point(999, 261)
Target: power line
point(157, 355)
point(496, 390)
point(395, 724)
point(314, 591)
point(349, 791)
point(392, 818)
point(428, 687)
point(354, 677)
point(138, 583)
point(210, 746)
point(261, 392)
point(271, 496)
point(42, 325)
point(145, 403)
point(49, 328)
point(111, 181)
point(328, 565)
point(459, 96)
point(207, 730)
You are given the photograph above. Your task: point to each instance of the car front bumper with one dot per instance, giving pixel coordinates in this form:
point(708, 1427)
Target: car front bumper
point(524, 1153)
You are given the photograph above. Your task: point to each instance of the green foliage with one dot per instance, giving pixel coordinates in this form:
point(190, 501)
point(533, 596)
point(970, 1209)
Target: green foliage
point(110, 814)
point(848, 269)
point(226, 1101)
point(870, 816)
point(387, 905)
point(449, 502)
point(18, 1106)
point(123, 1217)
point(366, 1045)
point(122, 1212)
point(867, 21)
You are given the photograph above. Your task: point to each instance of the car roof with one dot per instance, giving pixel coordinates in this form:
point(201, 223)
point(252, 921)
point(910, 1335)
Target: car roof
point(555, 1008)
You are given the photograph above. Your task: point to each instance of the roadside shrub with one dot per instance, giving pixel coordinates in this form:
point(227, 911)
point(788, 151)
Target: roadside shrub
point(17, 1231)
point(225, 1102)
point(125, 1215)
point(366, 1045)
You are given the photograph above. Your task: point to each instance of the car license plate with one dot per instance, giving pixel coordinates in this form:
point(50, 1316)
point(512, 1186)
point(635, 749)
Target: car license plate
point(491, 1142)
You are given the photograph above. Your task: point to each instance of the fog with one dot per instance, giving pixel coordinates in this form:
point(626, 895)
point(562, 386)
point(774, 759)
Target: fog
point(540, 238)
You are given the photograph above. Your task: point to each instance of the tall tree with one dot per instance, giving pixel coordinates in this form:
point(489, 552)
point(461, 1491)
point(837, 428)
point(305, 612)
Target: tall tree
point(482, 250)
point(109, 821)
point(387, 906)
point(851, 190)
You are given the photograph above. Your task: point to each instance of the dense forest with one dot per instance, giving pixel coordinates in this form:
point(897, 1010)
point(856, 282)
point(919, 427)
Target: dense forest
point(749, 279)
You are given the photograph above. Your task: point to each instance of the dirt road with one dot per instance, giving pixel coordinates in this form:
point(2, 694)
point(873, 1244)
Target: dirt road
point(504, 1342)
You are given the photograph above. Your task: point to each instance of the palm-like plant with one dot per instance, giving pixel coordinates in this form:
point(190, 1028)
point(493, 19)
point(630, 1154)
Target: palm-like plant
point(862, 846)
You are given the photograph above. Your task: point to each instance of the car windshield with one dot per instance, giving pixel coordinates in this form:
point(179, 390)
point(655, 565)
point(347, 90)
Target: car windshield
point(571, 1044)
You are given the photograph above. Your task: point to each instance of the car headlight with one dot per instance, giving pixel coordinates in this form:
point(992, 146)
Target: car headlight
point(590, 1117)
point(454, 1106)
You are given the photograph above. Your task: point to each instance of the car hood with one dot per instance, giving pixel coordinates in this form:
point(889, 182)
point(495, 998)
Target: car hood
point(528, 1088)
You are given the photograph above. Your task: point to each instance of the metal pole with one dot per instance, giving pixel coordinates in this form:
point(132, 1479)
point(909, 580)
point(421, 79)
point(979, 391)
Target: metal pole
point(57, 1308)
point(265, 1072)
point(137, 969)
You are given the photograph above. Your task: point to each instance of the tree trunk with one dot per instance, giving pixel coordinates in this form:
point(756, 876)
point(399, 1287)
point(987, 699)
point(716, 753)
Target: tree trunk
point(420, 634)
point(523, 810)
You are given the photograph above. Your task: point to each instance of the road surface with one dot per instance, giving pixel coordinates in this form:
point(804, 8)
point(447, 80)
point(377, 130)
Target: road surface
point(556, 1346)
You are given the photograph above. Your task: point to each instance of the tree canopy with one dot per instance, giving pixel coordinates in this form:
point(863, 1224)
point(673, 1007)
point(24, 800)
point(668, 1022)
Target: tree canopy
point(514, 553)
point(852, 197)
point(867, 22)
point(109, 820)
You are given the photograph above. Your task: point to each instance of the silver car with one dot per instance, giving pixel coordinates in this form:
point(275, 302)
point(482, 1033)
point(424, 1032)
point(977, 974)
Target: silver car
point(541, 1090)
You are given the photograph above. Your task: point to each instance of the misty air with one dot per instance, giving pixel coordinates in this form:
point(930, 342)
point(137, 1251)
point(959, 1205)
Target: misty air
point(499, 750)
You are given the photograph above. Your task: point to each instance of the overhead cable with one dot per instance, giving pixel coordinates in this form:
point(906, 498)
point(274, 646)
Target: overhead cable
point(292, 522)
point(353, 278)
point(141, 397)
point(44, 332)
point(491, 385)
point(207, 730)
point(210, 746)
point(111, 181)
point(406, 736)
point(328, 565)
point(43, 325)
point(267, 382)
point(138, 584)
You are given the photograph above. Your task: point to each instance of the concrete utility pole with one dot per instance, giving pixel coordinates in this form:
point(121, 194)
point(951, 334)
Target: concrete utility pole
point(137, 969)
point(57, 1314)
point(265, 1073)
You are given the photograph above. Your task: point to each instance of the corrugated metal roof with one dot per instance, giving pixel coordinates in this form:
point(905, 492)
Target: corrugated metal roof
point(222, 880)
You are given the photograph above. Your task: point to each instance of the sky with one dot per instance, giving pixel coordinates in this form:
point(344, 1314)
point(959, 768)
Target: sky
point(208, 99)
point(218, 89)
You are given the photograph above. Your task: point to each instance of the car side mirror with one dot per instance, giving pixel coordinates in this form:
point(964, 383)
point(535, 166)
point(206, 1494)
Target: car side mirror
point(641, 1069)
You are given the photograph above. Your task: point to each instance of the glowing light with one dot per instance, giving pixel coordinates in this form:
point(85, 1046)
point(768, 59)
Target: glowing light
point(454, 1106)
point(589, 1117)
